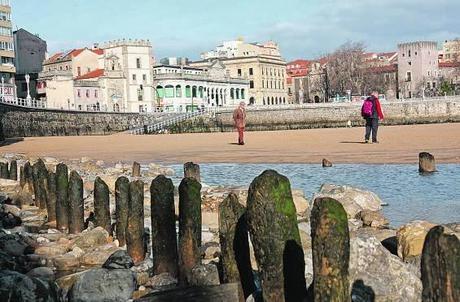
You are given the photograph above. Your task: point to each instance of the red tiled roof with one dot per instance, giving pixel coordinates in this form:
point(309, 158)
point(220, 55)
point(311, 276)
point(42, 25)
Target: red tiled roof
point(98, 51)
point(383, 69)
point(54, 57)
point(91, 75)
point(449, 64)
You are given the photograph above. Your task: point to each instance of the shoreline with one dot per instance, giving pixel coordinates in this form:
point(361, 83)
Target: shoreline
point(398, 145)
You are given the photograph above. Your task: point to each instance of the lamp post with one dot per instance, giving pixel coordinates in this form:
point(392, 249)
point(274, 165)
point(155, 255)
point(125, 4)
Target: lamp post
point(3, 89)
point(28, 98)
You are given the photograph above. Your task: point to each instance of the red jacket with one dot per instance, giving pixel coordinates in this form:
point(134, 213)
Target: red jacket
point(379, 109)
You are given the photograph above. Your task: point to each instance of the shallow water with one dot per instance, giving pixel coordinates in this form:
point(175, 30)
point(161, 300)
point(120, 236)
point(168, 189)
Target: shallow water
point(409, 195)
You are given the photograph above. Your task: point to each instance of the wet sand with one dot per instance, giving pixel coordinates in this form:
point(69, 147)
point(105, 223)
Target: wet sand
point(398, 144)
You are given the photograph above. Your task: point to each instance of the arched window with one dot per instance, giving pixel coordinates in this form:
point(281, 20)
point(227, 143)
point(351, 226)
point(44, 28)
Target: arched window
point(178, 91)
point(237, 93)
point(284, 100)
point(242, 94)
point(160, 91)
point(200, 91)
point(232, 93)
point(194, 92)
point(169, 91)
point(276, 100)
point(263, 100)
point(188, 91)
point(273, 101)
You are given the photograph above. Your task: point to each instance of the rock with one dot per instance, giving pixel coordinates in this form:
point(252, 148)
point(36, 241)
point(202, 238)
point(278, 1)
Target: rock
point(354, 224)
point(354, 200)
point(373, 219)
point(67, 262)
point(210, 250)
point(301, 203)
point(65, 283)
point(411, 237)
point(22, 197)
point(326, 163)
point(103, 285)
point(6, 208)
point(43, 273)
point(426, 163)
point(161, 280)
point(13, 245)
point(119, 260)
point(9, 186)
point(374, 267)
point(52, 250)
point(98, 256)
point(93, 238)
point(21, 288)
point(204, 274)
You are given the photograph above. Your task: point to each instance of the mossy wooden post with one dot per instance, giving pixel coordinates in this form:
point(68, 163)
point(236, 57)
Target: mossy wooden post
point(234, 244)
point(62, 197)
point(51, 196)
point(28, 177)
point(189, 228)
point(40, 175)
point(136, 169)
point(4, 170)
point(192, 170)
point(441, 266)
point(121, 208)
point(22, 177)
point(426, 163)
point(76, 204)
point(331, 251)
point(13, 174)
point(164, 238)
point(272, 222)
point(135, 228)
point(102, 205)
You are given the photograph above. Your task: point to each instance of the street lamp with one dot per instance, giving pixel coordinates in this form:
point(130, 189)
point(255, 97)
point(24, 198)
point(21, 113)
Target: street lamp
point(3, 89)
point(28, 98)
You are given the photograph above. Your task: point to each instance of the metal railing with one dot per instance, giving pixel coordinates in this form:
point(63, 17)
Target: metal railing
point(32, 103)
point(162, 125)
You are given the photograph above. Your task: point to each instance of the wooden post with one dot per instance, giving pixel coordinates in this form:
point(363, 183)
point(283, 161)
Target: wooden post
point(102, 205)
point(192, 170)
point(40, 175)
point(62, 197)
point(136, 169)
point(4, 170)
point(272, 222)
point(234, 243)
point(28, 177)
point(189, 228)
point(164, 238)
point(331, 251)
point(121, 208)
point(135, 229)
point(326, 163)
point(426, 163)
point(51, 196)
point(13, 174)
point(441, 266)
point(76, 204)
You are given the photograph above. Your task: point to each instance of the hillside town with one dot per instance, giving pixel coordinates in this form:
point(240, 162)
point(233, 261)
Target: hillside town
point(124, 75)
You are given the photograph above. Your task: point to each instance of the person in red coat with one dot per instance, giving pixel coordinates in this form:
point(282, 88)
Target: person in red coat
point(239, 118)
point(372, 122)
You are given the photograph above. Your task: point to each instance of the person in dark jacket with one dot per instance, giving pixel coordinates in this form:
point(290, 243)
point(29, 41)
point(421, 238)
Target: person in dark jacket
point(372, 122)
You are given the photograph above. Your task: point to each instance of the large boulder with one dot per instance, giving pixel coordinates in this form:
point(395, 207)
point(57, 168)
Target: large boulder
point(411, 237)
point(354, 200)
point(301, 203)
point(205, 274)
point(99, 255)
point(375, 272)
point(119, 260)
point(373, 219)
point(43, 273)
point(93, 238)
point(9, 187)
point(103, 285)
point(21, 288)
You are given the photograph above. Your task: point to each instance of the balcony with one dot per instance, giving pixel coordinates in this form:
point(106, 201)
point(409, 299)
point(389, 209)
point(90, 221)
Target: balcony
point(53, 73)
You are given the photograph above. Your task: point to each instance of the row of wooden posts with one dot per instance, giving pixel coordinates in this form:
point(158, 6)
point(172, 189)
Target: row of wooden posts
point(269, 218)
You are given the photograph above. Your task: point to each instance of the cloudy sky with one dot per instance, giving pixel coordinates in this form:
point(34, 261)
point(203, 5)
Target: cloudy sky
point(303, 28)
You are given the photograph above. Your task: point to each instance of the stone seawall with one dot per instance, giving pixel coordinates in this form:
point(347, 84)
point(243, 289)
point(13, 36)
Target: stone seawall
point(26, 122)
point(329, 116)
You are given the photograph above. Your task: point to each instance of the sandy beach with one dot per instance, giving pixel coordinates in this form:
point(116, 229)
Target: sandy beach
point(398, 144)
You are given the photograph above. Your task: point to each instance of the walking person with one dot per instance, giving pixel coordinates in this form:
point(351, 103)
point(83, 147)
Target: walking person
point(239, 118)
point(372, 113)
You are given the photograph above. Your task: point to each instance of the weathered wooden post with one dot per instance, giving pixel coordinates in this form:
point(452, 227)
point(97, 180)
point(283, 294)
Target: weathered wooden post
point(426, 163)
point(326, 163)
point(102, 205)
point(28, 177)
point(189, 228)
point(13, 174)
point(164, 238)
point(441, 266)
point(121, 208)
point(135, 229)
point(4, 170)
point(136, 169)
point(331, 251)
point(40, 175)
point(22, 177)
point(192, 170)
point(234, 244)
point(51, 196)
point(76, 204)
point(272, 222)
point(62, 197)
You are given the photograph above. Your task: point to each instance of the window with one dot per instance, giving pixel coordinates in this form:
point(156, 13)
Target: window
point(169, 91)
point(239, 72)
point(188, 91)
point(79, 71)
point(251, 84)
point(138, 62)
point(242, 94)
point(88, 70)
point(144, 77)
point(78, 93)
point(178, 91)
point(263, 84)
point(408, 54)
point(95, 93)
point(87, 93)
point(141, 87)
point(251, 71)
point(410, 63)
point(134, 77)
point(408, 76)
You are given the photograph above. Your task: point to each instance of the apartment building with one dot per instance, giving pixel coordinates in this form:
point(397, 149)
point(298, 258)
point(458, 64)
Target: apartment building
point(259, 63)
point(7, 69)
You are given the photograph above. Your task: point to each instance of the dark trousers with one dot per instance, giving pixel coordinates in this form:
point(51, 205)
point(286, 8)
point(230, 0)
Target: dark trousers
point(372, 125)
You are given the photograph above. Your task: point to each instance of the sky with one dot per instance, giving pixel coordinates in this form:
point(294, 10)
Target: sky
point(302, 28)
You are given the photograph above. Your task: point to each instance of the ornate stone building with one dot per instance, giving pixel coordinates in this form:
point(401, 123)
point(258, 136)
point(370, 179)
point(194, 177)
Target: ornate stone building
point(181, 88)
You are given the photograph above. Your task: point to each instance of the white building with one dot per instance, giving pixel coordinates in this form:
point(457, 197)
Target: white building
point(180, 88)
